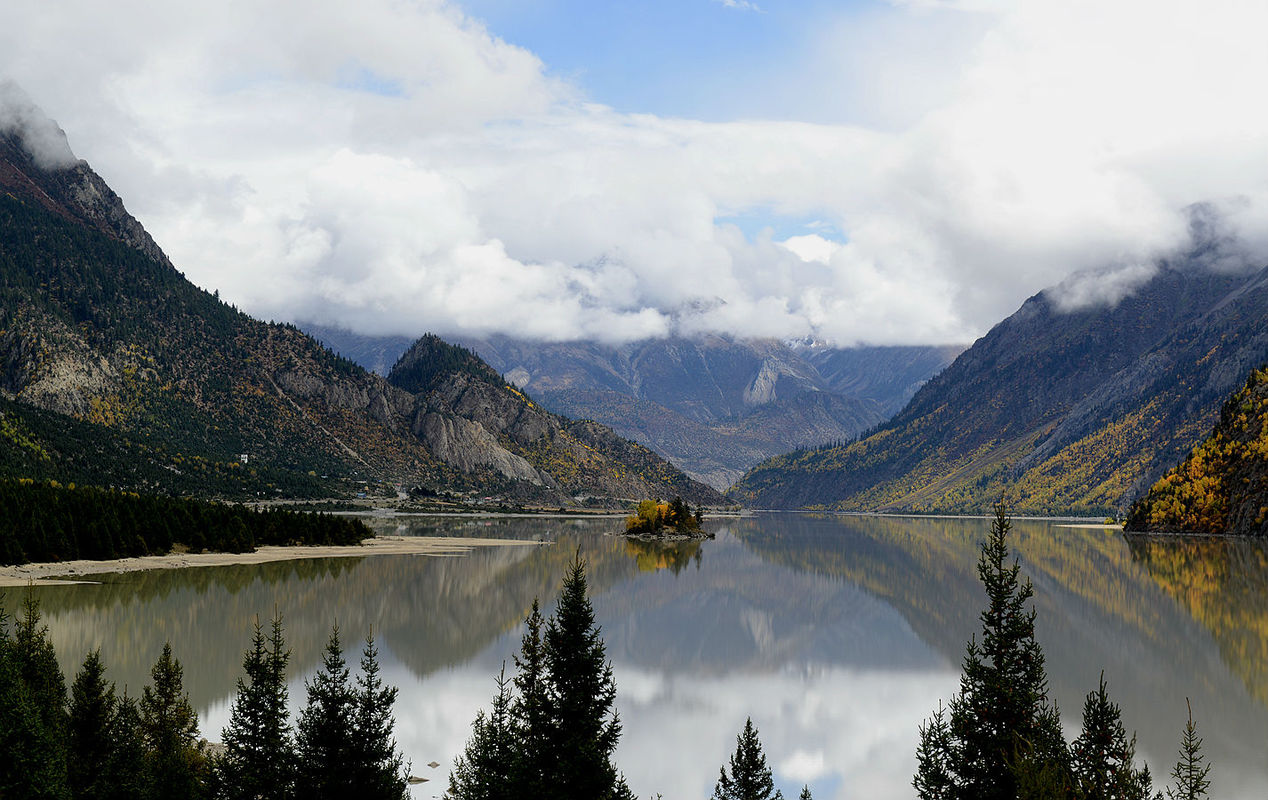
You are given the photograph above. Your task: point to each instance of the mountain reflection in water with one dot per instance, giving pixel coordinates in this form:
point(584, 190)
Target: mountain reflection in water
point(839, 635)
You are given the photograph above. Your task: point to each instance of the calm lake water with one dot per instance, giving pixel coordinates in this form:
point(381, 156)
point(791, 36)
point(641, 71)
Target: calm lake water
point(838, 635)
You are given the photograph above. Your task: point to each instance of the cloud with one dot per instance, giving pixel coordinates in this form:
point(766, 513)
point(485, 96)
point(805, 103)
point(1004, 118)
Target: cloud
point(743, 5)
point(38, 134)
point(402, 169)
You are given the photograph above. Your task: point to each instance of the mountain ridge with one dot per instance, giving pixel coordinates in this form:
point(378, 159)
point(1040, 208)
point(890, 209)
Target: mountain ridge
point(1057, 411)
point(711, 404)
point(97, 324)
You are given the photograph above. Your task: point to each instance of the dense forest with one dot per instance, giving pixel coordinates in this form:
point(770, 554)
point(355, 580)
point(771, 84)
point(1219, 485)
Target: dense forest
point(95, 742)
point(51, 522)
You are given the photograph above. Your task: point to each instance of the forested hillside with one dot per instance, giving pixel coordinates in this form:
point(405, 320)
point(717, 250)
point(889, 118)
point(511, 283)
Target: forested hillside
point(1057, 411)
point(1222, 487)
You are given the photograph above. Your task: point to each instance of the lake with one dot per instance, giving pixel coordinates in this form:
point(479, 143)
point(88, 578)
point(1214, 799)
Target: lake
point(838, 635)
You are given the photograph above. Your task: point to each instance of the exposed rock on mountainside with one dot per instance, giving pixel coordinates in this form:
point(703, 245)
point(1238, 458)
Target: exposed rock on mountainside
point(1057, 411)
point(1222, 487)
point(96, 323)
point(540, 446)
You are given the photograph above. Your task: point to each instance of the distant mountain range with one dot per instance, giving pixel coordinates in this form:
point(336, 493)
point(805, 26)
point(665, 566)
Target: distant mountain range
point(713, 405)
point(1055, 411)
point(115, 369)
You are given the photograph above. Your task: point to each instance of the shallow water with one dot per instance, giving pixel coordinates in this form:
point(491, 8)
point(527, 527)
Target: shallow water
point(838, 635)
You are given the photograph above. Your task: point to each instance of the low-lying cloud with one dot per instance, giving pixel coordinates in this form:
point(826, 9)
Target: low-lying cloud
point(38, 134)
point(404, 170)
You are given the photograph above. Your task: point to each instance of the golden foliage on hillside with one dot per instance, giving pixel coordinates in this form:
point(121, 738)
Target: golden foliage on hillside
point(1222, 487)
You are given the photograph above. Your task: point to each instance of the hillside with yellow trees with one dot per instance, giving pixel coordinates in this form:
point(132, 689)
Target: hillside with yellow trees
point(1222, 487)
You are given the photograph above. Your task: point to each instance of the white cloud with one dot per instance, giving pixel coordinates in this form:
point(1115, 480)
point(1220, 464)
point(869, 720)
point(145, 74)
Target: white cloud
point(400, 169)
point(37, 134)
point(743, 5)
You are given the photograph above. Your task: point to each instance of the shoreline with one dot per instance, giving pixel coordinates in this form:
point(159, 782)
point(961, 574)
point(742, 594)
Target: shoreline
point(71, 572)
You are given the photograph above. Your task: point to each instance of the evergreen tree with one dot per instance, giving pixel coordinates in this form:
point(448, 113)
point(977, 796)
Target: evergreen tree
point(34, 709)
point(379, 768)
point(1002, 732)
point(485, 770)
point(259, 757)
point(324, 736)
point(90, 740)
point(585, 727)
point(27, 760)
point(1103, 758)
point(750, 778)
point(934, 772)
point(530, 713)
point(805, 793)
point(125, 769)
point(175, 765)
point(1191, 772)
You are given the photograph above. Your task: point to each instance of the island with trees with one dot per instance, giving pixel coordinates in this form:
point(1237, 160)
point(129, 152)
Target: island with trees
point(674, 519)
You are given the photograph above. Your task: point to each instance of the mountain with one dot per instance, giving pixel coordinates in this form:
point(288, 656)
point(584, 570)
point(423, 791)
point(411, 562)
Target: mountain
point(375, 353)
point(115, 369)
point(713, 405)
point(1222, 487)
point(467, 415)
point(1058, 411)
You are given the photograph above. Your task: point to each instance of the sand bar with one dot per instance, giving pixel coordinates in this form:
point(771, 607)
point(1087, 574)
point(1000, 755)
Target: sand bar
point(74, 571)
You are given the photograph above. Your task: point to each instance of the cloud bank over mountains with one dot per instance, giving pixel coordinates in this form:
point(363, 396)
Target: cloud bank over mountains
point(403, 169)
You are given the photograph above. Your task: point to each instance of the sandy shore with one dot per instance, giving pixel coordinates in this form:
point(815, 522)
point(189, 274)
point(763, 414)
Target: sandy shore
point(76, 571)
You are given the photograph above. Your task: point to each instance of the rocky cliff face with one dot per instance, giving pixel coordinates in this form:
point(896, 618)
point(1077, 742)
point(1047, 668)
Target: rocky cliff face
point(468, 415)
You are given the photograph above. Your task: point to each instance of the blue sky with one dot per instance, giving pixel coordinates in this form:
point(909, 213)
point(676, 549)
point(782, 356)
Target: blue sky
point(698, 59)
point(695, 59)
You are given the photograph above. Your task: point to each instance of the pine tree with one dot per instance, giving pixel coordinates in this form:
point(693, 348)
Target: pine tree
point(259, 757)
point(530, 711)
point(582, 691)
point(175, 765)
point(1191, 772)
point(805, 793)
point(379, 768)
point(1001, 725)
point(1103, 757)
point(35, 709)
point(125, 768)
point(934, 779)
point(324, 736)
point(90, 740)
point(485, 770)
point(27, 760)
point(750, 778)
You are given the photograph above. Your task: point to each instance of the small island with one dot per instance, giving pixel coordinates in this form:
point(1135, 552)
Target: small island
point(672, 520)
